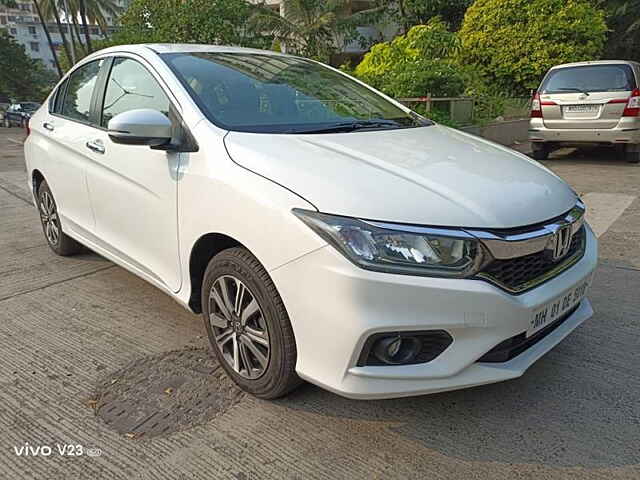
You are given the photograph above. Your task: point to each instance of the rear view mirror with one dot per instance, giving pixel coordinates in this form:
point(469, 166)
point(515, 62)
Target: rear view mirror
point(140, 127)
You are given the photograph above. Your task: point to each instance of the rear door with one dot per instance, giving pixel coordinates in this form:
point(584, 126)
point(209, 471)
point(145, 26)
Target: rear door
point(68, 126)
point(586, 96)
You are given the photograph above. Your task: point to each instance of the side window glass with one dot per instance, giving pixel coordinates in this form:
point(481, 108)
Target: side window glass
point(77, 100)
point(131, 87)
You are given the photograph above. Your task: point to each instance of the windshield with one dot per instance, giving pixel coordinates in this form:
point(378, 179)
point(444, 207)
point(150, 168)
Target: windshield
point(277, 94)
point(591, 78)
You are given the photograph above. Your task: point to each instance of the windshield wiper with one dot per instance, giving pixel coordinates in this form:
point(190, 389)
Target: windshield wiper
point(350, 126)
point(573, 89)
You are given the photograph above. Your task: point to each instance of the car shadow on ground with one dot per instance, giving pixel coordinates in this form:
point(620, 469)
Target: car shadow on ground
point(564, 412)
point(595, 155)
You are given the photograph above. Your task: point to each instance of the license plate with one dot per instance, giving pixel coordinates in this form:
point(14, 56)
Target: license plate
point(581, 108)
point(555, 309)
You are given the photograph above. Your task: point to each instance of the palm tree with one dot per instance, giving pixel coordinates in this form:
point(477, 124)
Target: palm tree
point(83, 16)
point(48, 35)
point(88, 12)
point(98, 11)
point(50, 9)
point(308, 27)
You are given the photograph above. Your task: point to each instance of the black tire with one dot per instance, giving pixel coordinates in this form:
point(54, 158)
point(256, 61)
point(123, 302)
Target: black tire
point(540, 152)
point(61, 244)
point(278, 377)
point(632, 157)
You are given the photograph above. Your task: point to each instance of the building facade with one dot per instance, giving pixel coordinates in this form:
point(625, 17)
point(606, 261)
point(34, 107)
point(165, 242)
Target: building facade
point(23, 24)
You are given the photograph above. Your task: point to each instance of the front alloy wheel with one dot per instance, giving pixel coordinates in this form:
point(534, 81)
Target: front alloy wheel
point(240, 330)
point(247, 324)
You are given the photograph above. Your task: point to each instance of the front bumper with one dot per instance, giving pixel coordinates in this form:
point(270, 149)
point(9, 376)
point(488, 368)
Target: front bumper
point(335, 306)
point(627, 132)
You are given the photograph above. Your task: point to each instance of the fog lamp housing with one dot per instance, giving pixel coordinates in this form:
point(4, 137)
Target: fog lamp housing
point(403, 348)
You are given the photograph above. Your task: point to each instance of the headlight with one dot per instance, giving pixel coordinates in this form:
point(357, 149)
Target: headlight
point(395, 248)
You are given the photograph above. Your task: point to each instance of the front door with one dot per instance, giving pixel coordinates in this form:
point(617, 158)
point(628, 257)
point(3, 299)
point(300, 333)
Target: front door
point(133, 188)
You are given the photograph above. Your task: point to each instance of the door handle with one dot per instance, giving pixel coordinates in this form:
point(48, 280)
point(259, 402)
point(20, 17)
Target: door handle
point(96, 146)
point(48, 126)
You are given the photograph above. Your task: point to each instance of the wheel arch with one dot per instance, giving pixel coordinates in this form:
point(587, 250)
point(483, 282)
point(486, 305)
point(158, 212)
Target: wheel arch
point(204, 249)
point(36, 179)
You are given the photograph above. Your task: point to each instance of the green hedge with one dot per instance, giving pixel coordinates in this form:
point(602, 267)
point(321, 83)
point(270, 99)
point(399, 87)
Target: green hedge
point(512, 43)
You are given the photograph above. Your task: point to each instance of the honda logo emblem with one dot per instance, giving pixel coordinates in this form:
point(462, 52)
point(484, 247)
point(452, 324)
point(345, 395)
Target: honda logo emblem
point(561, 242)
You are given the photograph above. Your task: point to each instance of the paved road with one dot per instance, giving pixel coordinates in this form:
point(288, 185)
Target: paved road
point(66, 325)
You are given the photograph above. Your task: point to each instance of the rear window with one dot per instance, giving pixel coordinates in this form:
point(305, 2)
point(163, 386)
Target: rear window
point(590, 78)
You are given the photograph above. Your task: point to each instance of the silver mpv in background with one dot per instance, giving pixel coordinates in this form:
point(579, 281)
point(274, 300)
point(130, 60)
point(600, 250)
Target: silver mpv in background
point(588, 103)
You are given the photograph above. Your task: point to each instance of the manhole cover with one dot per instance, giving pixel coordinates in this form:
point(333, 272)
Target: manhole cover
point(165, 393)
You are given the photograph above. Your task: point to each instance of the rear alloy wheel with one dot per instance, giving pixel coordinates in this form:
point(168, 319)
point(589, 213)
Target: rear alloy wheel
point(57, 240)
point(248, 326)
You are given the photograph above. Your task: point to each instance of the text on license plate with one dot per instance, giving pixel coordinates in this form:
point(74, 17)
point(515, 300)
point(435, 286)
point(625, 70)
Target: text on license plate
point(554, 310)
point(581, 108)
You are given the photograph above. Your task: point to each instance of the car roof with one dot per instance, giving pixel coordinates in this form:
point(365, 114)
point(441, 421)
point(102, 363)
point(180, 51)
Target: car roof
point(596, 62)
point(160, 48)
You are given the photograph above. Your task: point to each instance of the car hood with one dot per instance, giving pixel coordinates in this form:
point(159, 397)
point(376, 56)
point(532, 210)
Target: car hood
point(428, 176)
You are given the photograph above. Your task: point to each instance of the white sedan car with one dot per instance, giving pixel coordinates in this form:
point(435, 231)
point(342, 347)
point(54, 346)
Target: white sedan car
point(324, 231)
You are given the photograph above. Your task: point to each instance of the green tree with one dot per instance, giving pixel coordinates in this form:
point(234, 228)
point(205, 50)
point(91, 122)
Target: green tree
point(415, 64)
point(512, 43)
point(36, 3)
point(419, 12)
point(623, 18)
point(312, 28)
point(21, 77)
point(188, 21)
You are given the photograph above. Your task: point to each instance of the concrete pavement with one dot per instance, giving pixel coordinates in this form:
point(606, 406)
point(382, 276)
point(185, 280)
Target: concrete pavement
point(68, 325)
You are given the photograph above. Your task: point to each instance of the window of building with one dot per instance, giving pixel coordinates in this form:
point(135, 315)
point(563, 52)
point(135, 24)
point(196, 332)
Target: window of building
point(13, 31)
point(94, 31)
point(3, 20)
point(35, 46)
point(32, 30)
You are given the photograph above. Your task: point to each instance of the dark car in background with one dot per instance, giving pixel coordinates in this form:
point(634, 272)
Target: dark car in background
point(18, 114)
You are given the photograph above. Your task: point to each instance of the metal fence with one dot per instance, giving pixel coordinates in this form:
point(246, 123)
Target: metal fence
point(468, 110)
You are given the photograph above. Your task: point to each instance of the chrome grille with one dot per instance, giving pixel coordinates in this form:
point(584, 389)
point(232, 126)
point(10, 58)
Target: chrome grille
point(519, 274)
